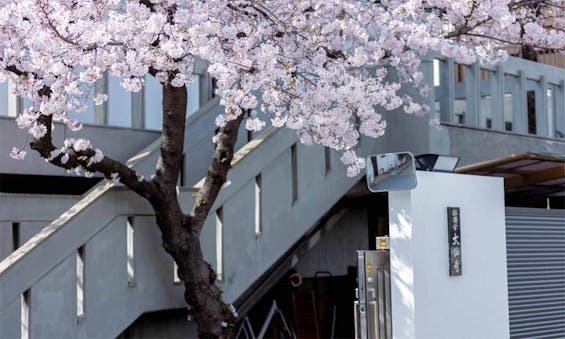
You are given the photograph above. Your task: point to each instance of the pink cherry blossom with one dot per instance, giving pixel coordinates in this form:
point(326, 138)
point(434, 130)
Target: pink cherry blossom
point(322, 68)
point(17, 153)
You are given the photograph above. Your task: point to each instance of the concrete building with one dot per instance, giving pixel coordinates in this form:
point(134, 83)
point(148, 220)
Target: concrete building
point(80, 259)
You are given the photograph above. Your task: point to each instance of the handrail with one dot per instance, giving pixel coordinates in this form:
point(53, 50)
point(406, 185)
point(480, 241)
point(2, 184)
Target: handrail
point(52, 228)
point(55, 256)
point(91, 197)
point(18, 257)
point(281, 142)
point(479, 101)
point(12, 205)
point(77, 209)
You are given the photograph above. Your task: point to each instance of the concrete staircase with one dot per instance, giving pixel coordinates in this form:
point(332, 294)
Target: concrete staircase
point(100, 265)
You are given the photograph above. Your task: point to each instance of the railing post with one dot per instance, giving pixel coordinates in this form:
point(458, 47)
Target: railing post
point(205, 88)
point(498, 99)
point(472, 91)
point(101, 111)
point(446, 100)
point(543, 121)
point(258, 205)
point(560, 110)
point(138, 109)
point(520, 116)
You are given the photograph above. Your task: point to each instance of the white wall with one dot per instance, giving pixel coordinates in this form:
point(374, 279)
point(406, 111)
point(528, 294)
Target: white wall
point(426, 302)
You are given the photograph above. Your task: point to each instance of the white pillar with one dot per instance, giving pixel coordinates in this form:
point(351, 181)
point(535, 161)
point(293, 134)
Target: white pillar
point(401, 265)
point(427, 302)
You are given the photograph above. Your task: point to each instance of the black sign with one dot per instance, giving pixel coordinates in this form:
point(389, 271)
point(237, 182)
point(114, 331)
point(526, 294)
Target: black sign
point(454, 239)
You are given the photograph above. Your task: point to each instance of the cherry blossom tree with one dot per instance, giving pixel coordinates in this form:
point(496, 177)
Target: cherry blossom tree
point(320, 67)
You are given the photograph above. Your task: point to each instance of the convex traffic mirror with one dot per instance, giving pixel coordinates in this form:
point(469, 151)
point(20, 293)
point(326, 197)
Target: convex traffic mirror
point(391, 172)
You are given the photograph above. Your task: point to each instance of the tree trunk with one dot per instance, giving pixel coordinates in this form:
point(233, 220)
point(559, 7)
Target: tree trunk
point(182, 242)
point(202, 295)
point(180, 232)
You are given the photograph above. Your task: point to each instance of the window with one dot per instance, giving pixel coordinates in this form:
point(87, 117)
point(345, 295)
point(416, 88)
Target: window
point(531, 110)
point(220, 243)
point(294, 172)
point(130, 252)
point(25, 314)
point(258, 205)
point(80, 282)
point(15, 235)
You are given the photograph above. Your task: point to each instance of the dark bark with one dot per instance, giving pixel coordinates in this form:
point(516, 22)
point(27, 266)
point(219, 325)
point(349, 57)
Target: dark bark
point(217, 172)
point(172, 139)
point(108, 166)
point(529, 53)
point(202, 294)
point(182, 241)
point(181, 232)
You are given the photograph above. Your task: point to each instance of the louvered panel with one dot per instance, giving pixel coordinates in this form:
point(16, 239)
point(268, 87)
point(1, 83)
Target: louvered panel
point(535, 249)
point(533, 292)
point(534, 315)
point(540, 296)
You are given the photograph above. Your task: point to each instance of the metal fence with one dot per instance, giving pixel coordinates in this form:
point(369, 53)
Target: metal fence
point(518, 96)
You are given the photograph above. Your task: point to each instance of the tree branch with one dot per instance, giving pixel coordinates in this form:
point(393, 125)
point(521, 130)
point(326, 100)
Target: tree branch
point(107, 166)
point(217, 172)
point(148, 4)
point(172, 141)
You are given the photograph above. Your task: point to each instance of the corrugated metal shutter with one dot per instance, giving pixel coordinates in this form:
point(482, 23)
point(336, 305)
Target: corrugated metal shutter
point(535, 245)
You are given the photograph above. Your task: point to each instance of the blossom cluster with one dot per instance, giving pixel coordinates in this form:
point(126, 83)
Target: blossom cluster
point(325, 68)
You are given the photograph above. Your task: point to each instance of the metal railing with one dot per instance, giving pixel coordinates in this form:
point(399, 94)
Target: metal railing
point(517, 96)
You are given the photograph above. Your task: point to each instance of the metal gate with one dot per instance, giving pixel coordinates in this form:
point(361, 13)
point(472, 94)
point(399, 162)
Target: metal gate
point(372, 311)
point(535, 247)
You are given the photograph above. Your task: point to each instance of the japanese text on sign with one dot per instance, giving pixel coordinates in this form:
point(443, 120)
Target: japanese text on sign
point(454, 240)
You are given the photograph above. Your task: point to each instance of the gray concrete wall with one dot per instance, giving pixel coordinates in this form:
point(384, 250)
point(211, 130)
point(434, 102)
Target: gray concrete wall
point(475, 145)
point(335, 250)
